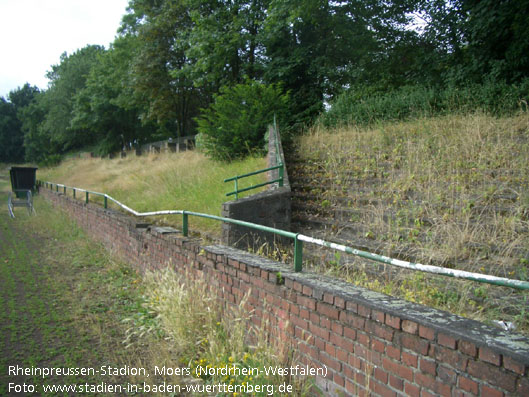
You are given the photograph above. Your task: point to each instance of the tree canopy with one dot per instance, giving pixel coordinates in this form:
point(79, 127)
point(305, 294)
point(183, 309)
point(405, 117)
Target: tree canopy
point(174, 62)
point(11, 116)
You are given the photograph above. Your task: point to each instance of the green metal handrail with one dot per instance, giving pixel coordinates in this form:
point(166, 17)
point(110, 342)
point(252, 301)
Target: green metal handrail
point(75, 190)
point(300, 238)
point(298, 255)
point(237, 177)
point(280, 165)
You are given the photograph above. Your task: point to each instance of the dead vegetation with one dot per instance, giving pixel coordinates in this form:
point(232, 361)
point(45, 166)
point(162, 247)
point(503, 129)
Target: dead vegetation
point(450, 191)
point(184, 181)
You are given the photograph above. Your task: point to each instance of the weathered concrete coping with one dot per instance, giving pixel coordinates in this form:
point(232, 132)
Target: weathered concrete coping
point(482, 335)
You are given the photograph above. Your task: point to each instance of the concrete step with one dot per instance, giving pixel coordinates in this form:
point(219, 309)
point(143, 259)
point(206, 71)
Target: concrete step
point(341, 207)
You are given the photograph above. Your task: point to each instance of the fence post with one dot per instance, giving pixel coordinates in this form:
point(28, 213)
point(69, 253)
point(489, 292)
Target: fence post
point(237, 187)
point(298, 254)
point(86, 198)
point(184, 224)
point(73, 192)
point(105, 201)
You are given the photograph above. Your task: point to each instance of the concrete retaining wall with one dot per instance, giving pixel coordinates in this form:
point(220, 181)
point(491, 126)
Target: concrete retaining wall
point(365, 341)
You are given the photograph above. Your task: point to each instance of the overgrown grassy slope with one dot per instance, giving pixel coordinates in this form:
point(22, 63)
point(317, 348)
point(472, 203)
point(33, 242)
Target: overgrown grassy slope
point(181, 181)
point(450, 191)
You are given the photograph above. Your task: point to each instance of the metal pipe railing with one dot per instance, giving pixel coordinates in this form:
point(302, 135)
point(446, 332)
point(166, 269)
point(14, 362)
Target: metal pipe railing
point(300, 238)
point(237, 177)
point(275, 167)
point(280, 165)
point(484, 278)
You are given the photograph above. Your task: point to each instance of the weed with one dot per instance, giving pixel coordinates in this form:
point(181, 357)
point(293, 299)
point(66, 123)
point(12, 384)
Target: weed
point(275, 251)
point(336, 260)
point(279, 279)
point(207, 334)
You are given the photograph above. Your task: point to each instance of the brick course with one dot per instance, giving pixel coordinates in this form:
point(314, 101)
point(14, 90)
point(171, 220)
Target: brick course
point(367, 341)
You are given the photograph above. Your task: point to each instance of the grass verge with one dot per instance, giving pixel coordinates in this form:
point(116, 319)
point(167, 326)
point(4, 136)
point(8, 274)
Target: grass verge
point(64, 300)
point(69, 304)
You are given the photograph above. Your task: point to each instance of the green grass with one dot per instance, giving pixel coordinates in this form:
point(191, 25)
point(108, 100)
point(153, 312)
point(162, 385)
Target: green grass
point(67, 303)
point(185, 181)
point(59, 296)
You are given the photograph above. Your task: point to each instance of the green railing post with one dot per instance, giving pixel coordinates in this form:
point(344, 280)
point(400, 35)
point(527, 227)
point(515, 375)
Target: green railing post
point(105, 202)
point(74, 193)
point(237, 187)
point(86, 198)
point(57, 188)
point(281, 172)
point(298, 254)
point(64, 191)
point(184, 224)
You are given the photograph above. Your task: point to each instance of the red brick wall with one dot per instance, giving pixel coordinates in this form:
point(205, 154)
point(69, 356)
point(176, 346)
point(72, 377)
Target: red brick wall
point(368, 342)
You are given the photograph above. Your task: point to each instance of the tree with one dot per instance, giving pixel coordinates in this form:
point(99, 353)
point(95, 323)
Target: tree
point(188, 50)
point(11, 134)
point(234, 125)
point(316, 48)
point(498, 39)
point(11, 149)
point(225, 40)
point(106, 106)
point(66, 80)
point(159, 66)
point(473, 41)
point(38, 145)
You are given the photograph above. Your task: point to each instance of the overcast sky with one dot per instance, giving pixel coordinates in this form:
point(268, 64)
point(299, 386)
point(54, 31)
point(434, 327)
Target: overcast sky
point(34, 34)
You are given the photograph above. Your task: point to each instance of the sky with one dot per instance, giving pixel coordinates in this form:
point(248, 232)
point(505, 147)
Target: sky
point(34, 34)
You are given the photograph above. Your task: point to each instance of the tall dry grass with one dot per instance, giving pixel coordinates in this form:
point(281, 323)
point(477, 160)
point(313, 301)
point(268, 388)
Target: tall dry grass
point(451, 191)
point(205, 332)
point(456, 181)
point(184, 181)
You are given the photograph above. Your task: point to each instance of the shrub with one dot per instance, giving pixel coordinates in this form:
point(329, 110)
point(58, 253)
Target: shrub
point(50, 160)
point(362, 106)
point(234, 125)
